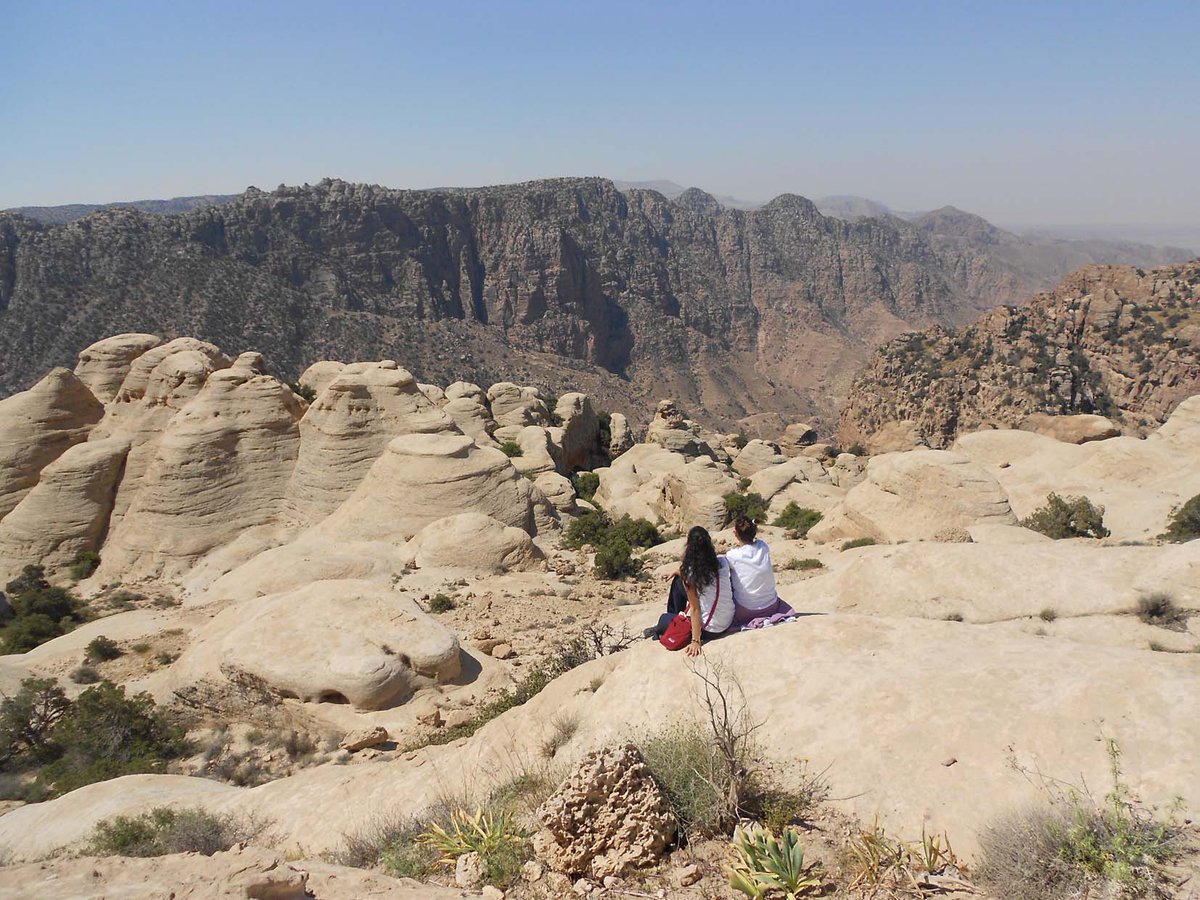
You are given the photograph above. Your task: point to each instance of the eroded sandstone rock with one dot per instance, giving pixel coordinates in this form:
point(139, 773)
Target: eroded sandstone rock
point(104, 365)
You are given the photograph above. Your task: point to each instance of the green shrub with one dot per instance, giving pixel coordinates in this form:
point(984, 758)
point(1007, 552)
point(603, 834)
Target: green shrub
point(1068, 517)
point(857, 449)
point(765, 863)
point(859, 542)
point(502, 844)
point(684, 761)
point(105, 734)
point(586, 484)
point(797, 520)
point(302, 391)
point(1074, 846)
point(1048, 615)
point(803, 565)
point(26, 632)
point(511, 449)
point(13, 787)
point(102, 649)
point(1160, 609)
point(588, 528)
point(27, 720)
point(751, 505)
point(614, 559)
point(41, 612)
point(635, 532)
point(85, 563)
point(1184, 524)
point(84, 675)
point(165, 830)
point(440, 603)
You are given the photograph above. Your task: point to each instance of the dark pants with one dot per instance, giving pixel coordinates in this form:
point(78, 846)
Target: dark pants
point(677, 601)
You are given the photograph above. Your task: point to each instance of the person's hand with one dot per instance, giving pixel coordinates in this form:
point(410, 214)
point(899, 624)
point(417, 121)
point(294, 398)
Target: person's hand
point(669, 575)
point(693, 649)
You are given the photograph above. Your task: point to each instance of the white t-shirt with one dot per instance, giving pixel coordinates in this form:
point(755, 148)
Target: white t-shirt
point(722, 618)
point(753, 576)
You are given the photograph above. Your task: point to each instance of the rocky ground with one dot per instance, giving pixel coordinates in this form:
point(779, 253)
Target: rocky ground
point(338, 592)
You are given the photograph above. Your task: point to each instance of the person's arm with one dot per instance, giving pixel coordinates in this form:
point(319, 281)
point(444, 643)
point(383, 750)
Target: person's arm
point(693, 649)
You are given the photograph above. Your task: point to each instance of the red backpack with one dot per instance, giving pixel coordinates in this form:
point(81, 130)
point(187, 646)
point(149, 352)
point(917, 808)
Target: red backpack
point(678, 633)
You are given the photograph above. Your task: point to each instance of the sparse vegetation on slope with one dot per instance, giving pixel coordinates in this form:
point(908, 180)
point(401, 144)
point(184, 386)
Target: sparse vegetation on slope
point(41, 612)
point(797, 520)
point(166, 830)
point(748, 504)
point(1184, 524)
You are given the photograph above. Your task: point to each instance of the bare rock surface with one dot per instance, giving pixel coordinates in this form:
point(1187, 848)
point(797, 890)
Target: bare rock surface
point(607, 818)
point(756, 456)
point(474, 542)
point(104, 365)
point(1078, 429)
point(37, 426)
point(320, 375)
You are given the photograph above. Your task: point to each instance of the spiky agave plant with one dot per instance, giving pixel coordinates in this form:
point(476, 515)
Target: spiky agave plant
point(764, 862)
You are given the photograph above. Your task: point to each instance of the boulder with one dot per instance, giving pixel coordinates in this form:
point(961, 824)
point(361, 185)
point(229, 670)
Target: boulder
point(422, 477)
point(538, 454)
point(221, 467)
point(756, 456)
point(581, 432)
point(433, 393)
point(918, 496)
point(347, 428)
point(632, 484)
point(364, 739)
point(770, 481)
point(1078, 429)
point(620, 437)
point(66, 512)
point(320, 375)
point(847, 470)
point(694, 494)
point(796, 437)
point(558, 489)
point(472, 541)
point(516, 406)
point(671, 431)
point(466, 404)
point(894, 437)
point(608, 818)
point(104, 365)
point(355, 642)
point(37, 426)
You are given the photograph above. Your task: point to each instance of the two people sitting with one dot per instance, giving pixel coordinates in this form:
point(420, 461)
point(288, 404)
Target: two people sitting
point(719, 592)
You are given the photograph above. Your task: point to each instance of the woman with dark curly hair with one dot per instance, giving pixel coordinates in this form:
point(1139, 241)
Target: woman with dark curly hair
point(700, 588)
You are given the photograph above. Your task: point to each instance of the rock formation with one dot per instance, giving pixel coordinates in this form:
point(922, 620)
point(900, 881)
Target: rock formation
point(607, 818)
point(474, 542)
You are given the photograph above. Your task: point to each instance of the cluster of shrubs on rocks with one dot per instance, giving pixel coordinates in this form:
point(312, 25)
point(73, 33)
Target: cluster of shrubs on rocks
point(1078, 517)
point(50, 745)
point(39, 611)
point(613, 541)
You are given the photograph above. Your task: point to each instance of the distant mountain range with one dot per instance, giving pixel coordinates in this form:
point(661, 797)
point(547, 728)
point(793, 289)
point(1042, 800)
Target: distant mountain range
point(622, 291)
point(60, 215)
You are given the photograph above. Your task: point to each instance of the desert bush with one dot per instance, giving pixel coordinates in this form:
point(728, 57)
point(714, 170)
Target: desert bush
point(1184, 524)
point(751, 505)
point(502, 844)
point(562, 728)
point(440, 603)
point(511, 449)
point(85, 563)
point(636, 532)
point(1160, 609)
point(803, 565)
point(102, 649)
point(27, 720)
point(765, 864)
point(24, 633)
point(165, 830)
point(588, 528)
point(857, 449)
point(1048, 615)
point(84, 675)
point(41, 612)
point(1072, 845)
point(797, 520)
point(1067, 517)
point(586, 484)
point(875, 862)
point(614, 560)
point(302, 391)
point(14, 787)
point(105, 734)
point(859, 542)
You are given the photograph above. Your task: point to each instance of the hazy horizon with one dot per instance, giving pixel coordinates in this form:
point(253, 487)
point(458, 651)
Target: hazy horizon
point(1022, 113)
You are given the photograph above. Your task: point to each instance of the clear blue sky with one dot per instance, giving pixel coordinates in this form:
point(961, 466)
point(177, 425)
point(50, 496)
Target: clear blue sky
point(1023, 112)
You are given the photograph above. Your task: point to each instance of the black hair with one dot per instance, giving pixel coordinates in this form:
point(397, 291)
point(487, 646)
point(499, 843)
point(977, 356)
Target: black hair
point(699, 566)
point(744, 528)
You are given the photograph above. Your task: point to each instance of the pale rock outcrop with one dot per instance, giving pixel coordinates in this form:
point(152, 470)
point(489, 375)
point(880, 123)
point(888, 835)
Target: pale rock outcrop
point(347, 428)
point(631, 485)
point(364, 739)
point(513, 407)
point(848, 470)
point(620, 437)
point(756, 456)
point(920, 495)
point(160, 383)
point(671, 431)
point(1079, 429)
point(796, 437)
point(466, 404)
point(822, 497)
point(320, 375)
point(104, 365)
point(538, 454)
point(330, 641)
point(423, 477)
point(36, 428)
point(433, 393)
point(581, 432)
point(472, 541)
point(221, 467)
point(770, 481)
point(558, 489)
point(607, 818)
point(67, 510)
point(895, 437)
point(694, 494)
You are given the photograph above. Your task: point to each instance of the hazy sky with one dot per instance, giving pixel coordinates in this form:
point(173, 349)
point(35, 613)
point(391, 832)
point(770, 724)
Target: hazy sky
point(1023, 112)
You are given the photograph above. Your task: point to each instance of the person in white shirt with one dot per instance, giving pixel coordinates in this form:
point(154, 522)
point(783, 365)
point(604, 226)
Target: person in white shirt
point(752, 576)
point(701, 587)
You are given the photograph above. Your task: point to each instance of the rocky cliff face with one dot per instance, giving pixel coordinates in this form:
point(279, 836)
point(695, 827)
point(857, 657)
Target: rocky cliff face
point(565, 282)
point(1114, 340)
